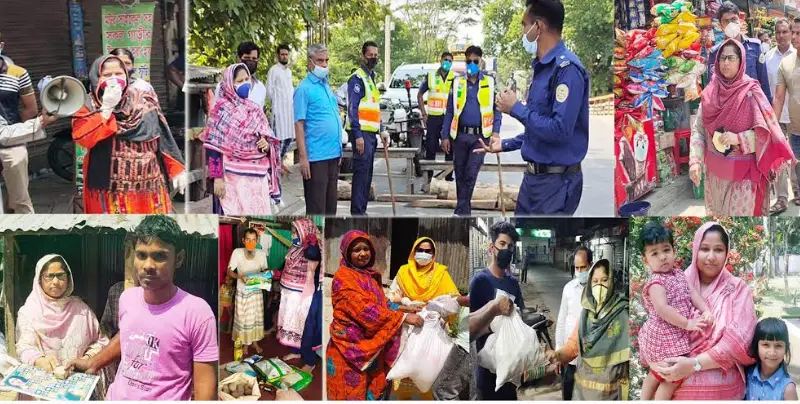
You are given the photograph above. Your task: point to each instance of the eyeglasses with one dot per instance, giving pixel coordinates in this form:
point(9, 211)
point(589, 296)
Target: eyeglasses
point(60, 276)
point(728, 58)
point(425, 250)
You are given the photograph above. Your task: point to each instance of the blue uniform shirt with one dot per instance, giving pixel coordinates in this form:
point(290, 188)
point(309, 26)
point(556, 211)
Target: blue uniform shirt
point(471, 114)
point(315, 104)
point(771, 389)
point(556, 117)
point(755, 66)
point(355, 92)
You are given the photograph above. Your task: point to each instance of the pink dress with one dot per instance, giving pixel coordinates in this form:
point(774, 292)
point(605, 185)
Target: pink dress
point(659, 339)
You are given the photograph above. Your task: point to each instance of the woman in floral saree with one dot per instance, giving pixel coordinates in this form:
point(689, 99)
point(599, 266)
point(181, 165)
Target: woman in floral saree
point(715, 367)
point(365, 331)
point(601, 341)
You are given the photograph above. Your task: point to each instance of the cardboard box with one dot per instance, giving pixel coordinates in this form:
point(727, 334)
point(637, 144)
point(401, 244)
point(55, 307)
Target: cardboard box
point(665, 140)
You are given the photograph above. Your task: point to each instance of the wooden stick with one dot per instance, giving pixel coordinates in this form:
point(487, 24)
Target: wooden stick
point(389, 171)
point(500, 177)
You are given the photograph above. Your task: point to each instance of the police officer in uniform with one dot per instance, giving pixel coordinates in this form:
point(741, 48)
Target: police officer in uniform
point(437, 84)
point(363, 125)
point(556, 117)
point(755, 62)
point(470, 121)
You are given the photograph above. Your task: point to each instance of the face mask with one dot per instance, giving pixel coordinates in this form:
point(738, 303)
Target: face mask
point(250, 245)
point(372, 62)
point(583, 277)
point(504, 257)
point(118, 81)
point(446, 65)
point(733, 30)
point(296, 241)
point(320, 72)
point(243, 90)
point(530, 47)
point(252, 65)
point(473, 69)
point(423, 258)
point(600, 292)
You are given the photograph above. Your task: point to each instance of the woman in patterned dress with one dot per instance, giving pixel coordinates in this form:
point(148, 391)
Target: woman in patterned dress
point(720, 352)
point(737, 178)
point(131, 156)
point(365, 331)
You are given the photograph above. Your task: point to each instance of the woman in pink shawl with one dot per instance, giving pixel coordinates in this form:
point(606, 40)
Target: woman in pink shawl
point(750, 147)
point(714, 369)
point(243, 156)
point(54, 327)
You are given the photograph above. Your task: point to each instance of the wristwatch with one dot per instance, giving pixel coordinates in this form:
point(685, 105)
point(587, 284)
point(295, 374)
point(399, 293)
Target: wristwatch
point(697, 366)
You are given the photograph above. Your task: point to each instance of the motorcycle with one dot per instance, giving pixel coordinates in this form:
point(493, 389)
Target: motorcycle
point(405, 126)
point(540, 323)
point(61, 151)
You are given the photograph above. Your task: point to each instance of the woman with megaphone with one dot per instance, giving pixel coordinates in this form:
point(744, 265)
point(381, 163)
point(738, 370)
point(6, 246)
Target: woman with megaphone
point(132, 155)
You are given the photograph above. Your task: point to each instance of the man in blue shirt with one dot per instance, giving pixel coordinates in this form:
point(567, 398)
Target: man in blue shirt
point(469, 121)
point(318, 131)
point(483, 288)
point(556, 117)
point(755, 63)
point(363, 114)
point(433, 114)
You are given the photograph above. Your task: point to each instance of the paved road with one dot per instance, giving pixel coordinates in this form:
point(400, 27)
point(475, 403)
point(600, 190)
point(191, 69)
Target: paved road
point(597, 197)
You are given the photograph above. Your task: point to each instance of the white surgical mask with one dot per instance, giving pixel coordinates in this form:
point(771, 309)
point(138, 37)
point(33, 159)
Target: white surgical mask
point(583, 277)
point(423, 258)
point(733, 30)
point(530, 47)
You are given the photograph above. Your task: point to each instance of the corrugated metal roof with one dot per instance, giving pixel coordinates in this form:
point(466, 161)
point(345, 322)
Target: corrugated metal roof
point(202, 72)
point(203, 225)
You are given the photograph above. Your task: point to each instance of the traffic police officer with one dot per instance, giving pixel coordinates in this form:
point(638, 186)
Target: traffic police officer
point(556, 117)
point(437, 84)
point(755, 61)
point(363, 126)
point(469, 122)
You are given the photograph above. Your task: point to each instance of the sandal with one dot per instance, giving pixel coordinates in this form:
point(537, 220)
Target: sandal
point(778, 208)
point(796, 201)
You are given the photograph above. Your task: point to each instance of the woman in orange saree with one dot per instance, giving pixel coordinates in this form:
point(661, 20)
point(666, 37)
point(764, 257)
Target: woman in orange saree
point(365, 331)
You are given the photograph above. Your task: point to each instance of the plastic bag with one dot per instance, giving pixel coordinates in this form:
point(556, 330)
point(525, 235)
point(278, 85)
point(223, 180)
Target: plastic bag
point(259, 281)
point(445, 305)
point(236, 382)
point(275, 369)
point(426, 349)
point(510, 350)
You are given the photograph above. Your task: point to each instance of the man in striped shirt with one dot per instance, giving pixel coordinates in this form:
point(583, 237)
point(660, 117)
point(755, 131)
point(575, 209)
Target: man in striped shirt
point(16, 87)
point(280, 90)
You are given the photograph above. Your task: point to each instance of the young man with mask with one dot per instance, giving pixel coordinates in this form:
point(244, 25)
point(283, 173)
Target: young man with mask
point(755, 63)
point(569, 314)
point(280, 89)
point(363, 125)
point(248, 53)
point(319, 136)
point(437, 84)
point(556, 117)
point(471, 119)
point(167, 339)
point(16, 88)
point(484, 307)
point(786, 93)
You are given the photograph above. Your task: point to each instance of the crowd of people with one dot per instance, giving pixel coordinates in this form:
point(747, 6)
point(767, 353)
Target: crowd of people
point(153, 342)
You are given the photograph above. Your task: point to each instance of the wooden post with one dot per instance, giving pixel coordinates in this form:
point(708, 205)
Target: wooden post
point(9, 271)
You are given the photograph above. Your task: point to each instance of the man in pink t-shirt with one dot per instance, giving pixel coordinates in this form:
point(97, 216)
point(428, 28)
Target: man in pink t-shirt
point(167, 339)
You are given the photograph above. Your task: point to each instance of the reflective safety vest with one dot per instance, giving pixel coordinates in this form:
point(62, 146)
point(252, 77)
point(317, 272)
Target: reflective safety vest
point(438, 91)
point(485, 100)
point(369, 110)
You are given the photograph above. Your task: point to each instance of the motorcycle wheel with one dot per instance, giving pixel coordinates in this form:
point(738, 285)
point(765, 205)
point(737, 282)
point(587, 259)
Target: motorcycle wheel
point(61, 157)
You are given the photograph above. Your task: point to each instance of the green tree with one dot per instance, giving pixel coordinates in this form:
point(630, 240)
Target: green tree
point(588, 30)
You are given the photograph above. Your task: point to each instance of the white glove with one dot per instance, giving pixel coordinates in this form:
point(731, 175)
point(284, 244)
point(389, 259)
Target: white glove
point(111, 98)
point(180, 182)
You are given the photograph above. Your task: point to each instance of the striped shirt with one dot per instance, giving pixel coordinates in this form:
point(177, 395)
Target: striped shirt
point(14, 81)
point(280, 91)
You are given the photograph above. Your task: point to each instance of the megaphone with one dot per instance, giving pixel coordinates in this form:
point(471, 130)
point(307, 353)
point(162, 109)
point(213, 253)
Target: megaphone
point(63, 96)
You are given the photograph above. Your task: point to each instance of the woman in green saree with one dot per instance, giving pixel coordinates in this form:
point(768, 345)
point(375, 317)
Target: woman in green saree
point(601, 341)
